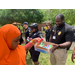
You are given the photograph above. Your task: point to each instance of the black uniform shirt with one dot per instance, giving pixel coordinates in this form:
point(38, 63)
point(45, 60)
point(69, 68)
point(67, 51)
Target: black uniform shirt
point(48, 32)
point(27, 32)
point(35, 35)
point(62, 34)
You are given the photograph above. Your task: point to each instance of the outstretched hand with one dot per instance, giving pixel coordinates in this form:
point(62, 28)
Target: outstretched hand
point(35, 40)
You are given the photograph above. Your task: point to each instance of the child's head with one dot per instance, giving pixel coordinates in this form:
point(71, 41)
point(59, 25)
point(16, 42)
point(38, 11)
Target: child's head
point(34, 27)
point(15, 42)
point(11, 35)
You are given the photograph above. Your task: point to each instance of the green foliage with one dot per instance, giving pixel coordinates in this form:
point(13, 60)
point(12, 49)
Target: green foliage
point(50, 14)
point(20, 15)
point(35, 15)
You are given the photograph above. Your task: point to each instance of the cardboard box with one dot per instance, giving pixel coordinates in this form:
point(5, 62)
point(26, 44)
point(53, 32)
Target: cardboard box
point(43, 50)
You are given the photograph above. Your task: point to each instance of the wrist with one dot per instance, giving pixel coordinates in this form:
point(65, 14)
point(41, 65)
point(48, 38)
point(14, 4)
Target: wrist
point(58, 45)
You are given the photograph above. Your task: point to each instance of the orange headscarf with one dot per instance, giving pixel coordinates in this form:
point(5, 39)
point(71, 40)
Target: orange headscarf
point(10, 57)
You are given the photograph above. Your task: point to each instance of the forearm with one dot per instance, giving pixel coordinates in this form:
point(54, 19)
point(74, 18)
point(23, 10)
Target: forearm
point(65, 45)
point(29, 45)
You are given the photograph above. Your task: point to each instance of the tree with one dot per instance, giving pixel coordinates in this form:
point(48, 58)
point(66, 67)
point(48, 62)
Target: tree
point(20, 15)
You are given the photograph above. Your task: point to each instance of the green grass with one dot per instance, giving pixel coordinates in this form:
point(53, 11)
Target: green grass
point(68, 61)
point(44, 59)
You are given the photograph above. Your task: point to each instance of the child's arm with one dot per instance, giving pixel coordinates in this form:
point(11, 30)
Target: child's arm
point(29, 45)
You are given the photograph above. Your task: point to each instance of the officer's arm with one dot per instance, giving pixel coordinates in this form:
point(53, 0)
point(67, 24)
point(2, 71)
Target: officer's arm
point(29, 32)
point(69, 38)
point(66, 44)
point(63, 45)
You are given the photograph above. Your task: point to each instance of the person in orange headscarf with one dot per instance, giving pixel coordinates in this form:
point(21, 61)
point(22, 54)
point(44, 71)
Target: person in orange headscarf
point(11, 53)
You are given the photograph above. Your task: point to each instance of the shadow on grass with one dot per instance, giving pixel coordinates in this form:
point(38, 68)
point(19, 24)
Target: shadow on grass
point(28, 60)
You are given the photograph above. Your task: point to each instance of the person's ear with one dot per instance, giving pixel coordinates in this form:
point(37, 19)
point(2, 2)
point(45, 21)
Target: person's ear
point(63, 20)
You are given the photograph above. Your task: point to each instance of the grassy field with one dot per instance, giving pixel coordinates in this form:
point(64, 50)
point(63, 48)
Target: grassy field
point(44, 59)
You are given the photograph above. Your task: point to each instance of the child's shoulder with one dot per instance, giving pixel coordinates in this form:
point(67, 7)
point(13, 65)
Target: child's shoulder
point(20, 47)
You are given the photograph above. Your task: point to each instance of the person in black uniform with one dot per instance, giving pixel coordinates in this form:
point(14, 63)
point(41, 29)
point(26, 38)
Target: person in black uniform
point(47, 33)
point(35, 34)
point(62, 36)
point(27, 33)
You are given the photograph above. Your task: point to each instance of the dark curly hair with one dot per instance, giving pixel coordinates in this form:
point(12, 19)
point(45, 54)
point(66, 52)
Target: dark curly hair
point(61, 16)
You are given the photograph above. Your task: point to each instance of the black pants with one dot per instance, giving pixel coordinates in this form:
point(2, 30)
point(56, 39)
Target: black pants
point(47, 39)
point(34, 54)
